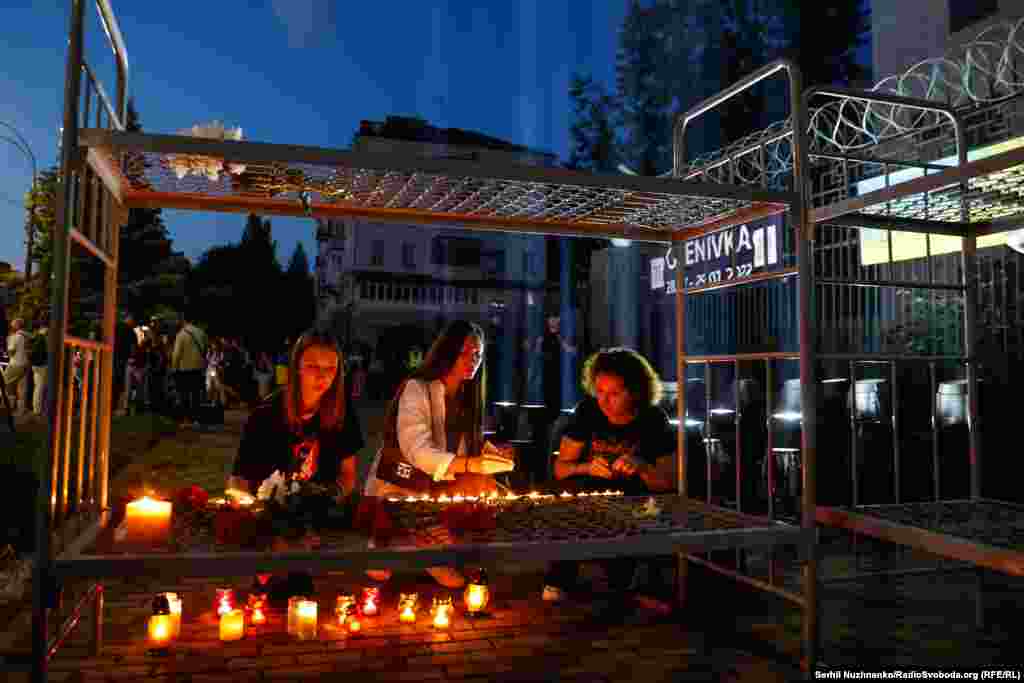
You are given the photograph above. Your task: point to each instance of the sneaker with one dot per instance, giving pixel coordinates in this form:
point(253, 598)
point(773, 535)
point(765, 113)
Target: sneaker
point(552, 594)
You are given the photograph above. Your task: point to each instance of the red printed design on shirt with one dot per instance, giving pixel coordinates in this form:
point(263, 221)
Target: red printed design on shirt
point(306, 454)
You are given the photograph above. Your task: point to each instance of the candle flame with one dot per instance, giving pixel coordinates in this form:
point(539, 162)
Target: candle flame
point(533, 494)
point(457, 498)
point(566, 494)
point(392, 499)
point(443, 498)
point(354, 625)
point(258, 617)
point(410, 499)
point(425, 497)
point(307, 609)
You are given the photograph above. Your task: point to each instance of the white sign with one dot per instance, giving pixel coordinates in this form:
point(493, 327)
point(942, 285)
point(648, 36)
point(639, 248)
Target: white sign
point(657, 273)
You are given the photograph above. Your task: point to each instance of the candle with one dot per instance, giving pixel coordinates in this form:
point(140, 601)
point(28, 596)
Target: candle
point(441, 618)
point(345, 607)
point(442, 611)
point(369, 603)
point(407, 608)
point(174, 603)
point(293, 614)
point(147, 522)
point(477, 594)
point(257, 607)
point(232, 625)
point(160, 626)
point(305, 627)
point(353, 625)
point(225, 601)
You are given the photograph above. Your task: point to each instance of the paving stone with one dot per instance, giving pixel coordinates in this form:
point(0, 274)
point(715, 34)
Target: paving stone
point(298, 672)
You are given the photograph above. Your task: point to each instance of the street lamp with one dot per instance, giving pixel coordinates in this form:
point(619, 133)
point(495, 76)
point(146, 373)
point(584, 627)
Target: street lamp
point(19, 141)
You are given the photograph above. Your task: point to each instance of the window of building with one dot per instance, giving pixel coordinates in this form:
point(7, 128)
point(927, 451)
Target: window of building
point(408, 255)
point(460, 252)
point(963, 13)
point(377, 253)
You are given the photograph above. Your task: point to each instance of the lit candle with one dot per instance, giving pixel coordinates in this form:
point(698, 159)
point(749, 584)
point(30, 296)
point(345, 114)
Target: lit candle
point(457, 498)
point(443, 498)
point(533, 495)
point(407, 608)
point(147, 522)
point(353, 625)
point(160, 626)
point(369, 603)
point(425, 497)
point(174, 603)
point(392, 499)
point(345, 607)
point(441, 618)
point(257, 607)
point(566, 494)
point(225, 601)
point(477, 594)
point(232, 625)
point(306, 626)
point(410, 499)
point(292, 627)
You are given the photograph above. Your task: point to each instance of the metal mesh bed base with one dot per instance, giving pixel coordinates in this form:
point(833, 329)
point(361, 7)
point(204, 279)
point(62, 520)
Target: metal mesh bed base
point(578, 529)
point(987, 533)
point(170, 172)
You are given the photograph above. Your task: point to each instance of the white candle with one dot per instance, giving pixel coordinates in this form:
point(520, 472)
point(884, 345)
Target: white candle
point(147, 521)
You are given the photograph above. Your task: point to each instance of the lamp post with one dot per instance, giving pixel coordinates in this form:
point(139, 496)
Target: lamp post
point(19, 141)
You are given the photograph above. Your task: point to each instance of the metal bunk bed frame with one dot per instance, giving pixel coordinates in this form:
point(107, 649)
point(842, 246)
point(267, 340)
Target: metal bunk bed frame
point(106, 171)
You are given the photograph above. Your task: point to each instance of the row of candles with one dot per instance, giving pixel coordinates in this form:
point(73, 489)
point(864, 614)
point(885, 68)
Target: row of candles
point(164, 626)
point(148, 521)
point(495, 497)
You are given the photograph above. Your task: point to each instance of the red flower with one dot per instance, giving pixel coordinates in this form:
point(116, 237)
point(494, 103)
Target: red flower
point(192, 497)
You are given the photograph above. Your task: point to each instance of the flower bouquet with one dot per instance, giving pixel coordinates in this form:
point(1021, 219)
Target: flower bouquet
point(292, 506)
point(201, 165)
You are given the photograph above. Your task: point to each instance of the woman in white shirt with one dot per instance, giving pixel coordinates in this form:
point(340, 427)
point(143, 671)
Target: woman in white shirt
point(436, 422)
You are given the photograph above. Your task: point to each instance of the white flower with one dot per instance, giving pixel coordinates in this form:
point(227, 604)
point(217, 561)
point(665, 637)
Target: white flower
point(269, 485)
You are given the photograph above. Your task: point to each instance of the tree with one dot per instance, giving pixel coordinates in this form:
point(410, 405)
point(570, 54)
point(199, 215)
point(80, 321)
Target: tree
point(822, 37)
point(592, 135)
point(41, 201)
point(301, 296)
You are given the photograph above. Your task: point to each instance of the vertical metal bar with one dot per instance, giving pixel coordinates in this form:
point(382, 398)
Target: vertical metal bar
point(83, 410)
point(93, 417)
point(117, 218)
point(854, 441)
point(970, 283)
point(97, 622)
point(682, 564)
point(770, 456)
point(935, 430)
point(58, 322)
point(78, 177)
point(94, 207)
point(87, 99)
point(707, 429)
point(739, 434)
point(65, 461)
point(895, 396)
point(808, 380)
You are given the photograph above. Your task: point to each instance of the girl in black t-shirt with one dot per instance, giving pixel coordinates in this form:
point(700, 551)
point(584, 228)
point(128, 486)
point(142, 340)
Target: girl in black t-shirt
point(616, 438)
point(307, 429)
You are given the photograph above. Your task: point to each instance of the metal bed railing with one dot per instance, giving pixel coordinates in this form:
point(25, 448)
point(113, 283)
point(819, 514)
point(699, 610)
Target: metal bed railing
point(73, 489)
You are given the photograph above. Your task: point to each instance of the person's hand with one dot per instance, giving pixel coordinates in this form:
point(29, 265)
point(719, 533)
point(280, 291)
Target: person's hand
point(493, 463)
point(626, 466)
point(598, 467)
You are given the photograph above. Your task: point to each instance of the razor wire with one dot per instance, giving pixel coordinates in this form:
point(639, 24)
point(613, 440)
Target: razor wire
point(987, 69)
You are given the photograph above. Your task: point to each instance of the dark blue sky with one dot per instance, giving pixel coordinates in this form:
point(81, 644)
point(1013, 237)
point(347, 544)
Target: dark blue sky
point(304, 72)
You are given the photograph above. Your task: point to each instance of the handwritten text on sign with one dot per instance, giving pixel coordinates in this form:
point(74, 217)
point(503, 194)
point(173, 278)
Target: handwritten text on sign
point(731, 254)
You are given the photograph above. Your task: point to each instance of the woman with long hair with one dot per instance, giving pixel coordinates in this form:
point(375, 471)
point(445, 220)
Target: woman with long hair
point(617, 437)
point(434, 426)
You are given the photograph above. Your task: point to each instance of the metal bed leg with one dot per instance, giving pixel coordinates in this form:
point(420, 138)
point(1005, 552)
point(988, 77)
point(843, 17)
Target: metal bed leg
point(97, 621)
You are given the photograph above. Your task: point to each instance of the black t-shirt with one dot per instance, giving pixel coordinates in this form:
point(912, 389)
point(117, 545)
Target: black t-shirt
point(648, 437)
point(268, 445)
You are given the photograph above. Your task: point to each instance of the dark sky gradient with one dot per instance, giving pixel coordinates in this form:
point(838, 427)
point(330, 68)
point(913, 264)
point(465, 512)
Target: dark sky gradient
point(303, 72)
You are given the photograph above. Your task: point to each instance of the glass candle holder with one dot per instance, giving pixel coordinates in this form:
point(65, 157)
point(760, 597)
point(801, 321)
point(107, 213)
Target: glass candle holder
point(370, 602)
point(257, 609)
point(293, 613)
point(407, 603)
point(477, 595)
point(232, 625)
point(345, 607)
point(306, 614)
point(354, 626)
point(174, 604)
point(442, 610)
point(160, 626)
point(224, 601)
point(147, 522)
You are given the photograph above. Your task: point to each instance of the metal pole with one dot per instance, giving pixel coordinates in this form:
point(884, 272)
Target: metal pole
point(935, 432)
point(808, 380)
point(682, 565)
point(970, 283)
point(894, 392)
point(41, 578)
point(854, 450)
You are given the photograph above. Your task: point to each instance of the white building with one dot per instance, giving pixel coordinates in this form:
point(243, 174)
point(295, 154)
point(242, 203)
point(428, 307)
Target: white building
point(391, 286)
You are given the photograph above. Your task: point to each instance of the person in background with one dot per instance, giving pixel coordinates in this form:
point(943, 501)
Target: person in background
point(616, 438)
point(16, 374)
point(263, 372)
point(39, 359)
point(125, 341)
point(188, 361)
point(215, 372)
point(436, 418)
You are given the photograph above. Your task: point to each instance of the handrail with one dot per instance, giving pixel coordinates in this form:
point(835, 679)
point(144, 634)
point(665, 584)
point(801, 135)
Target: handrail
point(102, 94)
point(113, 30)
